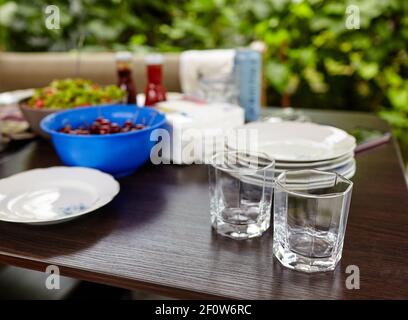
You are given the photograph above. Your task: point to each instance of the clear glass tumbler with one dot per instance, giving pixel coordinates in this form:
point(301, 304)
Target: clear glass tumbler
point(310, 217)
point(218, 88)
point(241, 186)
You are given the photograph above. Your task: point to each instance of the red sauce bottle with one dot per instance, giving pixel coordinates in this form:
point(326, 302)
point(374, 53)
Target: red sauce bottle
point(124, 71)
point(155, 91)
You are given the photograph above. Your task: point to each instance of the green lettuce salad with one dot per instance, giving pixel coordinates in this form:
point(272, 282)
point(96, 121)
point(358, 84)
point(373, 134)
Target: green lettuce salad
point(69, 93)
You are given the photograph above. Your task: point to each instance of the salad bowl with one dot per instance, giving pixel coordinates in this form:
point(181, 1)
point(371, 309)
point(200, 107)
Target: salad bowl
point(65, 94)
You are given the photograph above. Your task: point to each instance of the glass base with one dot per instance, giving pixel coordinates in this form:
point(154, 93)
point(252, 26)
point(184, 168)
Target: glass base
point(298, 262)
point(240, 231)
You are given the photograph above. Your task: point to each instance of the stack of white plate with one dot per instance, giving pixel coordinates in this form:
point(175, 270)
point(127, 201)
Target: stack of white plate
point(298, 146)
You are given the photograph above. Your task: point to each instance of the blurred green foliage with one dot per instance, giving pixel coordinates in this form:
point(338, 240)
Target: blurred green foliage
point(312, 59)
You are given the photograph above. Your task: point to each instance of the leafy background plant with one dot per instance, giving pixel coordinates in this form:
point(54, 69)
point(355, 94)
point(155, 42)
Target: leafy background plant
point(312, 60)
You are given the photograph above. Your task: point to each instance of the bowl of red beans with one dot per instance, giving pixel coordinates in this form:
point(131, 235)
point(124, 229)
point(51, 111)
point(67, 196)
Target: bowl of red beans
point(116, 139)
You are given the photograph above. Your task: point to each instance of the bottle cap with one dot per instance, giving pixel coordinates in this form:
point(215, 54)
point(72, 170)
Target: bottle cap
point(154, 59)
point(124, 56)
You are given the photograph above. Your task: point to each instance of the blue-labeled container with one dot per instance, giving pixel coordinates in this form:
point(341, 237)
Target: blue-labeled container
point(247, 70)
point(119, 154)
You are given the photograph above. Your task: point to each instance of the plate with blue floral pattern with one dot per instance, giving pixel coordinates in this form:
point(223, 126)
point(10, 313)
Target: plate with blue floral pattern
point(55, 194)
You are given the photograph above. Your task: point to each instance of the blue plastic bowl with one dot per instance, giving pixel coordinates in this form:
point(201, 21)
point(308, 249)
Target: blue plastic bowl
point(119, 154)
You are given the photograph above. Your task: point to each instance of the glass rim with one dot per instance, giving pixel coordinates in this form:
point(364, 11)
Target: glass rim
point(263, 155)
point(314, 196)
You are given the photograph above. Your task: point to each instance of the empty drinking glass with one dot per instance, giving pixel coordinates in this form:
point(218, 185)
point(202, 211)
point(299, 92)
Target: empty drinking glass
point(241, 186)
point(310, 219)
point(218, 88)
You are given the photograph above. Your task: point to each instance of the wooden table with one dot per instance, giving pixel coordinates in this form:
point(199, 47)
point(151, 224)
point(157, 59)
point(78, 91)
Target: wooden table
point(156, 234)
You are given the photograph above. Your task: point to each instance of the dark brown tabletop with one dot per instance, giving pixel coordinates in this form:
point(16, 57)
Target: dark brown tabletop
point(156, 234)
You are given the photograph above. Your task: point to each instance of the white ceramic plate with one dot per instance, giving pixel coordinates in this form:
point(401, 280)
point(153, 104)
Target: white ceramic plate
point(347, 171)
point(330, 167)
point(295, 141)
point(300, 185)
point(53, 195)
point(16, 96)
point(317, 164)
point(344, 170)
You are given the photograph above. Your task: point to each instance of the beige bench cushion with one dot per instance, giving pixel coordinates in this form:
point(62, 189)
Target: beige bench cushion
point(32, 70)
